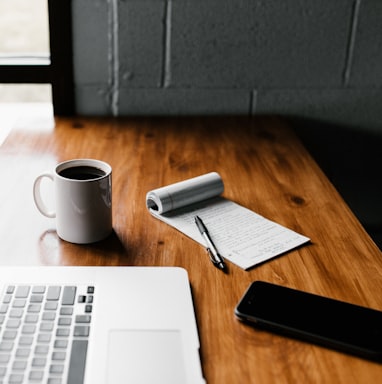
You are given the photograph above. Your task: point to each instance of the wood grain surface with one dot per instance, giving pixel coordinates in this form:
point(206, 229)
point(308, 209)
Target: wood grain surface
point(265, 168)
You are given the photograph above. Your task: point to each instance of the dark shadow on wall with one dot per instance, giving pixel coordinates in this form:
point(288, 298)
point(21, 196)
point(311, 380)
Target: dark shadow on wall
point(352, 160)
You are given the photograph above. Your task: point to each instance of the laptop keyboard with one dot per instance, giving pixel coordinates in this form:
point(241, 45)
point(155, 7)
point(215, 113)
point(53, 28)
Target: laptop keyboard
point(44, 333)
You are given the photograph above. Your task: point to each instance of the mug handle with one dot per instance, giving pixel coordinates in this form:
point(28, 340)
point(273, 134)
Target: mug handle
point(37, 196)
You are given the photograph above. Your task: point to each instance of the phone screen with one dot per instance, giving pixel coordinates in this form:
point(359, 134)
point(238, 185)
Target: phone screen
point(326, 321)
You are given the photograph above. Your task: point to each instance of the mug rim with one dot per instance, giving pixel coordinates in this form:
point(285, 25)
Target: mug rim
point(102, 165)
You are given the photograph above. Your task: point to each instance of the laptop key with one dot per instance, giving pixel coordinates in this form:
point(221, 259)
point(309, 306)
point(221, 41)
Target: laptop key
point(19, 365)
point(41, 350)
point(26, 340)
point(6, 346)
point(36, 298)
point(23, 352)
point(34, 308)
point(61, 343)
point(56, 368)
point(88, 308)
point(4, 308)
point(32, 318)
point(9, 335)
point(39, 289)
point(13, 323)
point(22, 291)
point(90, 289)
point(69, 295)
point(38, 362)
point(43, 338)
point(36, 375)
point(4, 358)
point(66, 311)
point(28, 329)
point(83, 318)
point(16, 378)
point(7, 299)
point(58, 356)
point(64, 321)
point(46, 326)
point(53, 293)
point(19, 303)
point(63, 332)
point(49, 316)
point(50, 306)
point(16, 312)
point(77, 361)
point(54, 380)
point(10, 289)
point(82, 299)
point(81, 331)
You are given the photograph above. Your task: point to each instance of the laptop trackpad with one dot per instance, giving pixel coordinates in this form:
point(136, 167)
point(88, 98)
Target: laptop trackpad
point(145, 356)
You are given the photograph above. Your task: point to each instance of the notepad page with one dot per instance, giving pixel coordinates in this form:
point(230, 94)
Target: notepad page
point(242, 236)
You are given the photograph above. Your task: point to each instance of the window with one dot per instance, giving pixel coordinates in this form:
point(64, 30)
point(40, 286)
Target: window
point(54, 67)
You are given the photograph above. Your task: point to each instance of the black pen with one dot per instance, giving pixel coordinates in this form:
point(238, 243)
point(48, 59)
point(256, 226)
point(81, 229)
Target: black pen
point(216, 259)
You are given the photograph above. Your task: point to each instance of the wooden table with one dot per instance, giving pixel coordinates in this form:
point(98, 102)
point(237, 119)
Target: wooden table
point(264, 167)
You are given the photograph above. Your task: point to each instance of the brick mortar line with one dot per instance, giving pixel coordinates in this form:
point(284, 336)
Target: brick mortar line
point(166, 63)
point(351, 43)
point(113, 56)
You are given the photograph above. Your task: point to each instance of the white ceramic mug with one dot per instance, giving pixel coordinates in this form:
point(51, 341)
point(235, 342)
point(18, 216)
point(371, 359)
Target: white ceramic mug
point(83, 209)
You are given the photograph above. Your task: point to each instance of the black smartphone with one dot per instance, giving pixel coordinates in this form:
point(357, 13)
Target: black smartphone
point(335, 324)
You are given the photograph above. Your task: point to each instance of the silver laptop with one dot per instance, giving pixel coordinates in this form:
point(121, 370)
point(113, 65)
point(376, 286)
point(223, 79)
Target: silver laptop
point(97, 325)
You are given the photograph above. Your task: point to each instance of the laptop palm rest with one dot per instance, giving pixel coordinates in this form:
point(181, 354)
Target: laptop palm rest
point(145, 356)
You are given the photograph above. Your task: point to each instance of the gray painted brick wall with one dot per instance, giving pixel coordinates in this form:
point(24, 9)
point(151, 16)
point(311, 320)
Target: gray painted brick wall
point(310, 58)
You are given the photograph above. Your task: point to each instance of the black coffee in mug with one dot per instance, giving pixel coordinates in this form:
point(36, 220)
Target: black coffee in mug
point(82, 172)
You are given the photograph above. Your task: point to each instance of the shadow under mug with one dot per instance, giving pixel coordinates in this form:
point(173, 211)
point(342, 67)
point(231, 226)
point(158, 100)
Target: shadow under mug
point(82, 191)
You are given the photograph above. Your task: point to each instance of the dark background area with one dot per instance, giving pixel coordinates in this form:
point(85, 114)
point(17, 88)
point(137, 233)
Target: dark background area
point(352, 159)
